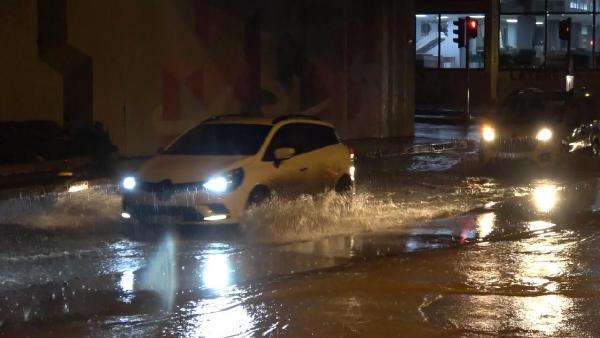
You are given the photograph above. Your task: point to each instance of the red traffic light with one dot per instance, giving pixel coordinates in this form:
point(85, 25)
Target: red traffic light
point(473, 24)
point(472, 28)
point(564, 29)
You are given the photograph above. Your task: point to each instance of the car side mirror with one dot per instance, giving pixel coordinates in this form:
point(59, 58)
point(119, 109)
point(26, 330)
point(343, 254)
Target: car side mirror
point(282, 154)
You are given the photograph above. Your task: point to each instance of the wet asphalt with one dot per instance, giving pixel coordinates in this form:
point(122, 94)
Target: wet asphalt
point(430, 245)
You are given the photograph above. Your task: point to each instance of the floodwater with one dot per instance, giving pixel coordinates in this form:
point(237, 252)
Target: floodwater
point(430, 245)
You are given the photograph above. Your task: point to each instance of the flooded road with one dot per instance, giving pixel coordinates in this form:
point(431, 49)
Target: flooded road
point(429, 246)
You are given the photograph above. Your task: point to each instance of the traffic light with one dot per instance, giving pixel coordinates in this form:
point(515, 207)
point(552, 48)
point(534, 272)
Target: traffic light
point(460, 33)
point(564, 31)
point(472, 25)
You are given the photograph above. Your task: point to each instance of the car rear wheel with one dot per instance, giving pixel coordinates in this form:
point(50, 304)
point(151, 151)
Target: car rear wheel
point(344, 185)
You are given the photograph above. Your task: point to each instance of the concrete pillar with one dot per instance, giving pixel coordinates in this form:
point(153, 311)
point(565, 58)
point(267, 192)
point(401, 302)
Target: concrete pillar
point(492, 34)
point(398, 68)
point(75, 67)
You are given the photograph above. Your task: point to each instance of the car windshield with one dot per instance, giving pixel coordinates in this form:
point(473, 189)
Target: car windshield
point(220, 139)
point(535, 108)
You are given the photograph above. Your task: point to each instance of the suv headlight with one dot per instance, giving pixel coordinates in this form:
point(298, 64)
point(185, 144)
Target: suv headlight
point(544, 135)
point(488, 133)
point(129, 183)
point(226, 182)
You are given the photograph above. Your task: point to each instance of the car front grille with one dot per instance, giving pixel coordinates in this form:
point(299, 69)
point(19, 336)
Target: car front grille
point(186, 214)
point(518, 145)
point(167, 186)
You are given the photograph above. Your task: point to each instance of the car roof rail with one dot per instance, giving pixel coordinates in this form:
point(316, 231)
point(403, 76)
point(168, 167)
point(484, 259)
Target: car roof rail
point(295, 116)
point(224, 116)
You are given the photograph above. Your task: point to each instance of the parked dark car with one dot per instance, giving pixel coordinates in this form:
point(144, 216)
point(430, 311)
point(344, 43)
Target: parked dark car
point(35, 141)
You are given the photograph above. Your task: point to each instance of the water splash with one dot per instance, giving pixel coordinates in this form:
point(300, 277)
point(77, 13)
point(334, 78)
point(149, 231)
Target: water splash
point(310, 217)
point(93, 207)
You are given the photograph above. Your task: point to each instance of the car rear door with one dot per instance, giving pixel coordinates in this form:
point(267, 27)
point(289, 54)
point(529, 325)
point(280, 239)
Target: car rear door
point(325, 156)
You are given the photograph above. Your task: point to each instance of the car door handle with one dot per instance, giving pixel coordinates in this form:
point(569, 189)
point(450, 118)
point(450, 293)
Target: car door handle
point(303, 169)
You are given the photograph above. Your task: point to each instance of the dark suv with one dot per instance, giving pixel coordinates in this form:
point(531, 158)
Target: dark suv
point(538, 125)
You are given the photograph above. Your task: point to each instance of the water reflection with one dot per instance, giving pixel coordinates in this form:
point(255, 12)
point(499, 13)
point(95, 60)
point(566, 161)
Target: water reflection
point(216, 271)
point(539, 225)
point(545, 197)
point(161, 274)
point(544, 314)
point(219, 317)
point(126, 282)
point(485, 223)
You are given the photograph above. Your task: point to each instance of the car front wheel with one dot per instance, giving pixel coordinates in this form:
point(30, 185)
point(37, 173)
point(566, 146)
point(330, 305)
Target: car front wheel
point(258, 195)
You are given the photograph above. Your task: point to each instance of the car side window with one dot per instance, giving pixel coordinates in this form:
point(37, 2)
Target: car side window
point(283, 138)
point(303, 137)
point(321, 136)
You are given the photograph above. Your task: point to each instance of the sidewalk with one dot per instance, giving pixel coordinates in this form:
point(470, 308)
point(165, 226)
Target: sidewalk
point(428, 138)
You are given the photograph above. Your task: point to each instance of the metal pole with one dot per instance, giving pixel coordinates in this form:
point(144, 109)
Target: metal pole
point(467, 45)
point(569, 60)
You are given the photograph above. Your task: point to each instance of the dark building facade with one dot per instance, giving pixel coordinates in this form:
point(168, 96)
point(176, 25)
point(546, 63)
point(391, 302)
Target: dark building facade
point(518, 46)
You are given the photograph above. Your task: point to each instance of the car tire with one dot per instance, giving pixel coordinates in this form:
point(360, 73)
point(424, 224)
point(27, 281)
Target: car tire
point(258, 195)
point(344, 185)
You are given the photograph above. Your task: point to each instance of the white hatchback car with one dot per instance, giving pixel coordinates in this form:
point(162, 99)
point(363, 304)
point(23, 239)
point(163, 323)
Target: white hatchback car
point(214, 171)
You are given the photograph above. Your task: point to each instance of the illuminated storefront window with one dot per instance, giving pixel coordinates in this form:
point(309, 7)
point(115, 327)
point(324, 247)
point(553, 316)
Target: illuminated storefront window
point(435, 46)
point(529, 33)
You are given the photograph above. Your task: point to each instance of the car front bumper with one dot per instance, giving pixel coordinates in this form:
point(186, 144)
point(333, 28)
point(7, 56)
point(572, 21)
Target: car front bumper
point(542, 153)
point(185, 207)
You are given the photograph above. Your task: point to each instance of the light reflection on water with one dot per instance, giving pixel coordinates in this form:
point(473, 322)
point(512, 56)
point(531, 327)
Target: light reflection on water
point(529, 274)
point(216, 271)
point(218, 317)
point(545, 314)
point(161, 275)
point(126, 282)
point(545, 197)
point(541, 263)
point(539, 225)
point(224, 315)
point(485, 223)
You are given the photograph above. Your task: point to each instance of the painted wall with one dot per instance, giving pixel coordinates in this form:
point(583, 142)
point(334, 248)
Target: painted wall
point(159, 67)
point(29, 87)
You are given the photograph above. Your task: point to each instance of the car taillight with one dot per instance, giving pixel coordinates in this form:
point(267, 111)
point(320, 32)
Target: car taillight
point(351, 151)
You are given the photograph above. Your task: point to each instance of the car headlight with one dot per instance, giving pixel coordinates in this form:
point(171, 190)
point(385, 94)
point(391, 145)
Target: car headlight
point(226, 182)
point(544, 135)
point(488, 133)
point(129, 183)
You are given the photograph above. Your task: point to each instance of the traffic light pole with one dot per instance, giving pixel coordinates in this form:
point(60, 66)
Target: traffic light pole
point(466, 30)
point(564, 33)
point(468, 112)
point(569, 61)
